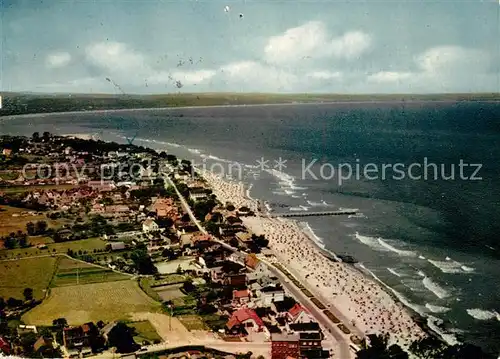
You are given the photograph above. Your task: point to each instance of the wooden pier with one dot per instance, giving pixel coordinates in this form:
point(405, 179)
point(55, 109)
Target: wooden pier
point(310, 214)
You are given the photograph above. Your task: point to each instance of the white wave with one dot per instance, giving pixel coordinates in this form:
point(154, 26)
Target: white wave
point(194, 150)
point(434, 323)
point(371, 242)
point(435, 288)
point(289, 192)
point(357, 215)
point(421, 257)
point(309, 232)
point(450, 266)
point(279, 193)
point(417, 308)
point(467, 269)
point(285, 178)
point(421, 274)
point(318, 204)
point(298, 188)
point(295, 196)
point(268, 207)
point(394, 272)
point(481, 314)
point(436, 308)
point(248, 192)
point(395, 250)
point(299, 208)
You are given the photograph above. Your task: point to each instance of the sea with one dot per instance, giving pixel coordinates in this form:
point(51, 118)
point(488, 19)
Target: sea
point(428, 222)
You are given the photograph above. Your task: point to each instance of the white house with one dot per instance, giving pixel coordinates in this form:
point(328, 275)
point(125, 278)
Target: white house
point(271, 294)
point(299, 314)
point(258, 269)
point(149, 225)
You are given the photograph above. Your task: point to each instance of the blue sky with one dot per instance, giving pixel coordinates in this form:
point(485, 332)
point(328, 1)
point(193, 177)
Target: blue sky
point(152, 46)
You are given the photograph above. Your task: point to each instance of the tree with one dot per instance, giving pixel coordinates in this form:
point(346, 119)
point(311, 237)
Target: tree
point(46, 136)
point(10, 242)
point(27, 341)
point(40, 227)
point(188, 286)
point(121, 337)
point(433, 348)
point(23, 241)
point(378, 349)
point(14, 303)
point(60, 323)
point(179, 270)
point(168, 253)
point(35, 137)
point(30, 228)
point(28, 294)
point(143, 262)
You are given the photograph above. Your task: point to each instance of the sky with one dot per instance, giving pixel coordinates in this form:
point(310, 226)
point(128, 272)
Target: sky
point(293, 46)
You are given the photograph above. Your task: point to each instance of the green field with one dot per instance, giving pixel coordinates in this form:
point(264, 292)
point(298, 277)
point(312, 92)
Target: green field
point(81, 245)
point(144, 330)
point(72, 272)
point(192, 322)
point(92, 302)
point(35, 273)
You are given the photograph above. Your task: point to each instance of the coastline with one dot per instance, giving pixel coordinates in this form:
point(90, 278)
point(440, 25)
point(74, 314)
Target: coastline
point(296, 103)
point(364, 304)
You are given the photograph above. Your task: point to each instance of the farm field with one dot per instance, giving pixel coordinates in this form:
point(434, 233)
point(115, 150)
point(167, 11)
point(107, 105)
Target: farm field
point(15, 219)
point(81, 245)
point(31, 188)
point(35, 273)
point(92, 302)
point(72, 272)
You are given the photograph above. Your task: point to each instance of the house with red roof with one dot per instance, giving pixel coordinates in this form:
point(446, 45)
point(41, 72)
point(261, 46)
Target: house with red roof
point(245, 320)
point(299, 314)
point(241, 296)
point(4, 346)
point(257, 268)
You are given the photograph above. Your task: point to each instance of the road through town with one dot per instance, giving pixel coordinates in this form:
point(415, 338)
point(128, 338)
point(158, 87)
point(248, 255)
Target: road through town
point(342, 341)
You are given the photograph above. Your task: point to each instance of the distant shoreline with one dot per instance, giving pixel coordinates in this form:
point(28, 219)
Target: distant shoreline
point(298, 103)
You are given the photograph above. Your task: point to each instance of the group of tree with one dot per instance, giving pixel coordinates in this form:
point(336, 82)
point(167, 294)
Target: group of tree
point(15, 303)
point(203, 207)
point(37, 138)
point(15, 240)
point(142, 261)
point(122, 338)
point(427, 348)
point(37, 228)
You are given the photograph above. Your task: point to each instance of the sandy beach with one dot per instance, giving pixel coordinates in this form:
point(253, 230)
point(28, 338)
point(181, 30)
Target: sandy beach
point(361, 300)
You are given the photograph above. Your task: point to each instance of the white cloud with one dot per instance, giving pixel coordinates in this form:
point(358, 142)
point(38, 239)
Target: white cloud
point(442, 59)
point(193, 77)
point(389, 76)
point(57, 59)
point(350, 45)
point(253, 76)
point(325, 75)
point(115, 57)
point(312, 40)
point(295, 43)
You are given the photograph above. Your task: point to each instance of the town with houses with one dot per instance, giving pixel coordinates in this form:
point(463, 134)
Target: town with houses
point(112, 250)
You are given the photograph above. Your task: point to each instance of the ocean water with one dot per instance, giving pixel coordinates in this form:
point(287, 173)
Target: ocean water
point(433, 242)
